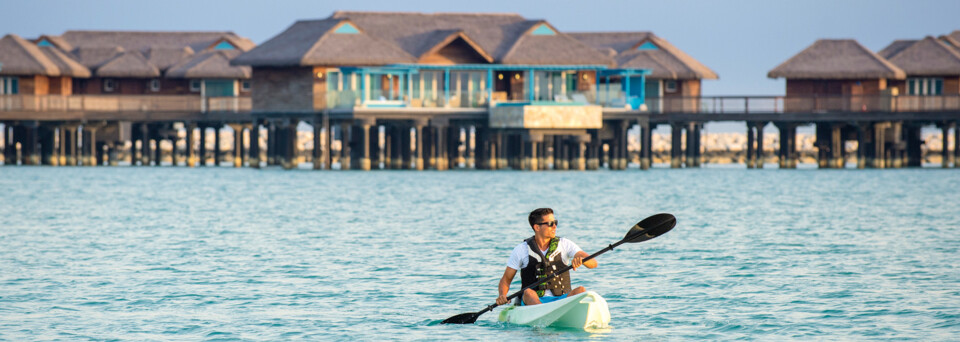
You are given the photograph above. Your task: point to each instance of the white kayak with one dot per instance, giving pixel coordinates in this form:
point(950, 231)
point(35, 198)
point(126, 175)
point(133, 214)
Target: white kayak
point(583, 311)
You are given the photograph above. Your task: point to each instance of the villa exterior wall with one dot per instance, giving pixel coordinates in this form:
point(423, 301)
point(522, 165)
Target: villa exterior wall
point(61, 85)
point(34, 85)
point(283, 89)
point(809, 88)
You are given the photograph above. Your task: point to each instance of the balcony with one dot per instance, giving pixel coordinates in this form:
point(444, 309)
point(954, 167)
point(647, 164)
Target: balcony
point(802, 104)
point(123, 103)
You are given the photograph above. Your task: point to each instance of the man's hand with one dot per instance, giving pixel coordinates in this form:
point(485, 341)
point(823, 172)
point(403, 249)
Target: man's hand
point(502, 299)
point(577, 262)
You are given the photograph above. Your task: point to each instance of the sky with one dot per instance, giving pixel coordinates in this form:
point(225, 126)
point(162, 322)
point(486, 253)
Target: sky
point(740, 40)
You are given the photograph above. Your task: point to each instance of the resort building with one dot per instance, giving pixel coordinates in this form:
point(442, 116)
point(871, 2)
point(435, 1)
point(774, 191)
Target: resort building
point(837, 75)
point(100, 82)
point(520, 85)
point(673, 83)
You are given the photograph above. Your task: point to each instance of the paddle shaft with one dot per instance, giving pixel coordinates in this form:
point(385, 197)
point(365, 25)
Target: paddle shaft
point(554, 274)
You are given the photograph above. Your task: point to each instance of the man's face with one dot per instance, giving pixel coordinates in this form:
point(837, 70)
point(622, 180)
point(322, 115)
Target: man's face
point(546, 227)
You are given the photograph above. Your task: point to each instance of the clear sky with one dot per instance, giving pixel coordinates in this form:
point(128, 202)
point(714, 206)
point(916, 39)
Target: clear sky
point(740, 40)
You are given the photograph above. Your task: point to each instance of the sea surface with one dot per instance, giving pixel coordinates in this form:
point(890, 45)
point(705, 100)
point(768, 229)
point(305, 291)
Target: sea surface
point(148, 253)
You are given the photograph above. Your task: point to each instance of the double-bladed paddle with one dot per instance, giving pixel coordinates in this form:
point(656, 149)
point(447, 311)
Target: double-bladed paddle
point(647, 229)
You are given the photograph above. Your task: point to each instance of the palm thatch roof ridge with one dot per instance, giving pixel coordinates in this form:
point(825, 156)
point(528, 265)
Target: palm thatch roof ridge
point(94, 57)
point(667, 61)
point(896, 47)
point(67, 65)
point(836, 59)
point(143, 40)
point(210, 64)
point(128, 64)
point(164, 58)
point(928, 57)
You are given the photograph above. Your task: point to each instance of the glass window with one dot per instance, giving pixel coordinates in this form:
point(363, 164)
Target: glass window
point(194, 85)
point(333, 80)
point(415, 84)
point(108, 85)
point(155, 85)
point(670, 86)
point(245, 85)
point(925, 86)
point(9, 85)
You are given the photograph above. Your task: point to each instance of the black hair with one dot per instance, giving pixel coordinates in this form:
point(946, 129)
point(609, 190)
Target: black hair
point(537, 214)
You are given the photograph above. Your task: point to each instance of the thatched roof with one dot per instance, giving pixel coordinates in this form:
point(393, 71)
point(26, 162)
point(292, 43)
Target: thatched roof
point(557, 48)
point(895, 48)
point(955, 35)
point(94, 57)
point(57, 41)
point(66, 64)
point(396, 37)
point(836, 59)
point(128, 64)
point(665, 62)
point(210, 64)
point(141, 41)
point(314, 42)
point(494, 33)
point(21, 57)
point(436, 40)
point(953, 43)
point(928, 57)
point(163, 58)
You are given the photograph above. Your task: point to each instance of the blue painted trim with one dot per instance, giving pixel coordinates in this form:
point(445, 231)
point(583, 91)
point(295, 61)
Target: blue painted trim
point(44, 43)
point(363, 84)
point(596, 80)
point(627, 86)
point(446, 87)
point(347, 28)
point(540, 103)
point(489, 86)
point(530, 79)
point(511, 67)
point(543, 30)
point(386, 104)
point(607, 99)
point(643, 89)
point(648, 46)
point(224, 45)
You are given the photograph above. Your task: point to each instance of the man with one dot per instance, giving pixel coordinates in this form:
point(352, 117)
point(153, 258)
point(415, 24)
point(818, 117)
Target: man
point(538, 257)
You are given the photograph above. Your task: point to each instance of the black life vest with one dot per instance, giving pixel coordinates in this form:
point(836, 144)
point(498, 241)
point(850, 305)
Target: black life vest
point(539, 266)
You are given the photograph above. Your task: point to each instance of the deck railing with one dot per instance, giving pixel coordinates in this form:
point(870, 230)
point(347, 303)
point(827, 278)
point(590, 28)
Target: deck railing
point(701, 105)
point(122, 103)
point(795, 104)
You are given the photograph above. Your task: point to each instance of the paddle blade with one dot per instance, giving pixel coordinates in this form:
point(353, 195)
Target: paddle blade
point(651, 227)
point(464, 318)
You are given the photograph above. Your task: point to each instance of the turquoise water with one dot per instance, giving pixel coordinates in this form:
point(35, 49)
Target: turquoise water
point(187, 254)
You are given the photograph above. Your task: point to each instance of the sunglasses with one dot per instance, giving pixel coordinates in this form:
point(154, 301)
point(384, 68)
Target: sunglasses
point(553, 223)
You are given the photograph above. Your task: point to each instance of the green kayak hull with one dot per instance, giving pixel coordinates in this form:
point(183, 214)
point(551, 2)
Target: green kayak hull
point(583, 311)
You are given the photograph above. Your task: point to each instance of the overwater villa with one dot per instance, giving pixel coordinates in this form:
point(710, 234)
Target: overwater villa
point(906, 76)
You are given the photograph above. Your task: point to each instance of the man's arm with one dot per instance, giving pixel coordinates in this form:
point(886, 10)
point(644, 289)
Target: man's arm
point(504, 287)
point(578, 260)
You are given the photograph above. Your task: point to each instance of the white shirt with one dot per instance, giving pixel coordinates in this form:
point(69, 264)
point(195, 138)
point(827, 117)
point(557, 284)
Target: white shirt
point(519, 257)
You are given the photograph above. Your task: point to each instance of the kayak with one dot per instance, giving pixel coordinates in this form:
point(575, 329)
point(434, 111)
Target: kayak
point(583, 311)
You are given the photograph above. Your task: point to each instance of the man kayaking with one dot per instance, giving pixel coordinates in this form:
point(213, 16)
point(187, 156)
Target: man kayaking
point(538, 256)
